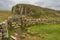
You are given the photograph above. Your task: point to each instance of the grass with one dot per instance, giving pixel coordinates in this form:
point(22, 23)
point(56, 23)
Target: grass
point(1, 19)
point(48, 28)
point(10, 32)
point(4, 14)
point(53, 31)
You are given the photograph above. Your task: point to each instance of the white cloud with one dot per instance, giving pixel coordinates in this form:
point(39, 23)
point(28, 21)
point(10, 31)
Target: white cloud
point(7, 4)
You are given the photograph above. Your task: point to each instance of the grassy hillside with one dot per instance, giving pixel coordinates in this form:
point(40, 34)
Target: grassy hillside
point(38, 12)
point(44, 32)
point(4, 14)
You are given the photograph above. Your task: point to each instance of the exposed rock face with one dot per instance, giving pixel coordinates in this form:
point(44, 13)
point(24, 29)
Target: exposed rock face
point(22, 9)
point(35, 11)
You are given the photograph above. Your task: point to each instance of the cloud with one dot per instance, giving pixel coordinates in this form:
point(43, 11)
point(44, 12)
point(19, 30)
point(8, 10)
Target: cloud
point(54, 4)
point(6, 4)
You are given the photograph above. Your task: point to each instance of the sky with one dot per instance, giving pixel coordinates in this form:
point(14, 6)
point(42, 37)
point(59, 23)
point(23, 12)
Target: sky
point(7, 4)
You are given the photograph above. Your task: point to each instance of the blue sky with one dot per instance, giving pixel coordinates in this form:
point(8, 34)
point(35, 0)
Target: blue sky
point(7, 4)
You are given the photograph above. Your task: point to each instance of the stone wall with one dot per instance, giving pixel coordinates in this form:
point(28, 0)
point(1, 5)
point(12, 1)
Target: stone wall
point(4, 29)
point(38, 21)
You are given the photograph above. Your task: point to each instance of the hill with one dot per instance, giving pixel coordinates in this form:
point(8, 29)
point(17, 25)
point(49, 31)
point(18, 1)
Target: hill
point(4, 14)
point(32, 12)
point(36, 12)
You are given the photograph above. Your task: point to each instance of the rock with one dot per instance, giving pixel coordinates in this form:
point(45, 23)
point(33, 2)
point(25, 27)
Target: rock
point(43, 35)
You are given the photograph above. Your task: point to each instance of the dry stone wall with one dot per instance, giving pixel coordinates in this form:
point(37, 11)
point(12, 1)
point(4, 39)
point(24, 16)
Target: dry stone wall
point(37, 21)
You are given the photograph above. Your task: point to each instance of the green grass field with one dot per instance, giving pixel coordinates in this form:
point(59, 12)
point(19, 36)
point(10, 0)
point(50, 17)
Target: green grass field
point(53, 31)
point(4, 14)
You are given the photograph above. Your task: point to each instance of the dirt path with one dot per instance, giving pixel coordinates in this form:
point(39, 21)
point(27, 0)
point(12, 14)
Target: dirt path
point(18, 32)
